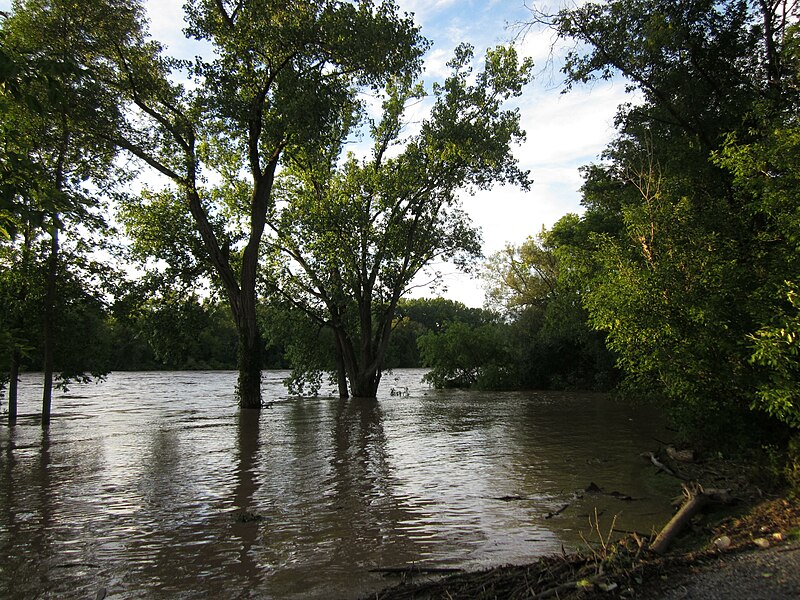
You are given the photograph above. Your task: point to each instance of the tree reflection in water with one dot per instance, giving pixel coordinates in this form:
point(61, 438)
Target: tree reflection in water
point(247, 518)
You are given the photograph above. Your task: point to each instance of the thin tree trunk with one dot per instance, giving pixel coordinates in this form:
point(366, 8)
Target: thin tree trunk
point(13, 380)
point(49, 324)
point(16, 354)
point(48, 332)
point(341, 372)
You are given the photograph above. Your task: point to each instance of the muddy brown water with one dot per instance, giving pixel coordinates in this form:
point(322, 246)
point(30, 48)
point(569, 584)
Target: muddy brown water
point(152, 485)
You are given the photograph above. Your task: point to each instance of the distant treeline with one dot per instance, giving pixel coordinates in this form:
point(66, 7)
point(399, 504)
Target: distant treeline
point(464, 346)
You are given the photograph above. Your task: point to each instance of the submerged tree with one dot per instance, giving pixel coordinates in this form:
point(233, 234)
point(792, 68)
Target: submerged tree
point(275, 84)
point(352, 234)
point(553, 347)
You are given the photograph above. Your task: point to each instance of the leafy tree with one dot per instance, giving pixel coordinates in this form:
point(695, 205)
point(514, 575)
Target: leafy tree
point(433, 314)
point(48, 49)
point(276, 85)
point(80, 341)
point(19, 286)
point(308, 347)
point(463, 356)
point(354, 233)
point(415, 317)
point(520, 276)
point(765, 164)
point(184, 332)
point(681, 243)
point(553, 345)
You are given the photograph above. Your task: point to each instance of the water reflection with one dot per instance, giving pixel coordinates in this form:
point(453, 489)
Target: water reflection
point(152, 485)
point(246, 519)
point(359, 460)
point(360, 492)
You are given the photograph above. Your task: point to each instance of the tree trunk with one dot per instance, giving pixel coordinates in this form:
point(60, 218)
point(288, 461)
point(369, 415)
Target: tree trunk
point(13, 380)
point(341, 371)
point(244, 492)
point(250, 346)
point(49, 325)
point(341, 380)
point(365, 383)
point(248, 388)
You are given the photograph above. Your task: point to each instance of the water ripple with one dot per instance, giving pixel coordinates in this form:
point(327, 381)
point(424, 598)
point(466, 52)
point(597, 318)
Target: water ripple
point(153, 486)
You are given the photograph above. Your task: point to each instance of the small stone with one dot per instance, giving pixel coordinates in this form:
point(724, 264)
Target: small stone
point(778, 536)
point(762, 543)
point(722, 542)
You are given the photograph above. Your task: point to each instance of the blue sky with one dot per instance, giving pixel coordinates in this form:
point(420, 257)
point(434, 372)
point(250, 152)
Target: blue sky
point(564, 131)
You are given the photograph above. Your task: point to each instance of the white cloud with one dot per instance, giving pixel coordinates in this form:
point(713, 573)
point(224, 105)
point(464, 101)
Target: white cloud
point(166, 25)
point(436, 64)
point(568, 127)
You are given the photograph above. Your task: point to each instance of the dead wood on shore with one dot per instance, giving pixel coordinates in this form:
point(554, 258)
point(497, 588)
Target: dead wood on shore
point(696, 499)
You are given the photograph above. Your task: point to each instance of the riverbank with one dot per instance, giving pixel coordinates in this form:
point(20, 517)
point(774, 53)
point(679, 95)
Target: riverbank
point(745, 552)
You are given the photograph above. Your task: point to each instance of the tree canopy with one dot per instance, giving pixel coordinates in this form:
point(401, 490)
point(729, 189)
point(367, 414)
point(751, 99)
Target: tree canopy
point(278, 82)
point(686, 254)
point(351, 234)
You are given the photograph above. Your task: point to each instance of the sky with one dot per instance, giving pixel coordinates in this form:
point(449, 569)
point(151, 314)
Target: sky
point(564, 131)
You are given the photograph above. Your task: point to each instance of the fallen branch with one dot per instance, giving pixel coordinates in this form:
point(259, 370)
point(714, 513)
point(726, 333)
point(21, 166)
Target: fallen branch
point(659, 465)
point(696, 500)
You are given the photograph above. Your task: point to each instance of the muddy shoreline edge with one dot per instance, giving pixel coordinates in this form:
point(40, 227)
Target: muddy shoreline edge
point(745, 551)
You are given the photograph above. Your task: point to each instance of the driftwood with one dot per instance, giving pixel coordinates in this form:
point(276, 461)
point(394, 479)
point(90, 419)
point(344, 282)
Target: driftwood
point(658, 464)
point(557, 512)
point(509, 498)
point(592, 488)
point(696, 499)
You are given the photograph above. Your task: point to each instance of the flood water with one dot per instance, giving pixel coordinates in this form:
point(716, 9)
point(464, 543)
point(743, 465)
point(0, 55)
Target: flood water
point(152, 485)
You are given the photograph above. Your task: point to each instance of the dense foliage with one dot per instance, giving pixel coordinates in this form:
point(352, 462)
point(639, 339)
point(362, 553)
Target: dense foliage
point(535, 337)
point(687, 255)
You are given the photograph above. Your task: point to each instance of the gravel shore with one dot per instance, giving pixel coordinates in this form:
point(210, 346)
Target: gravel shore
point(771, 574)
